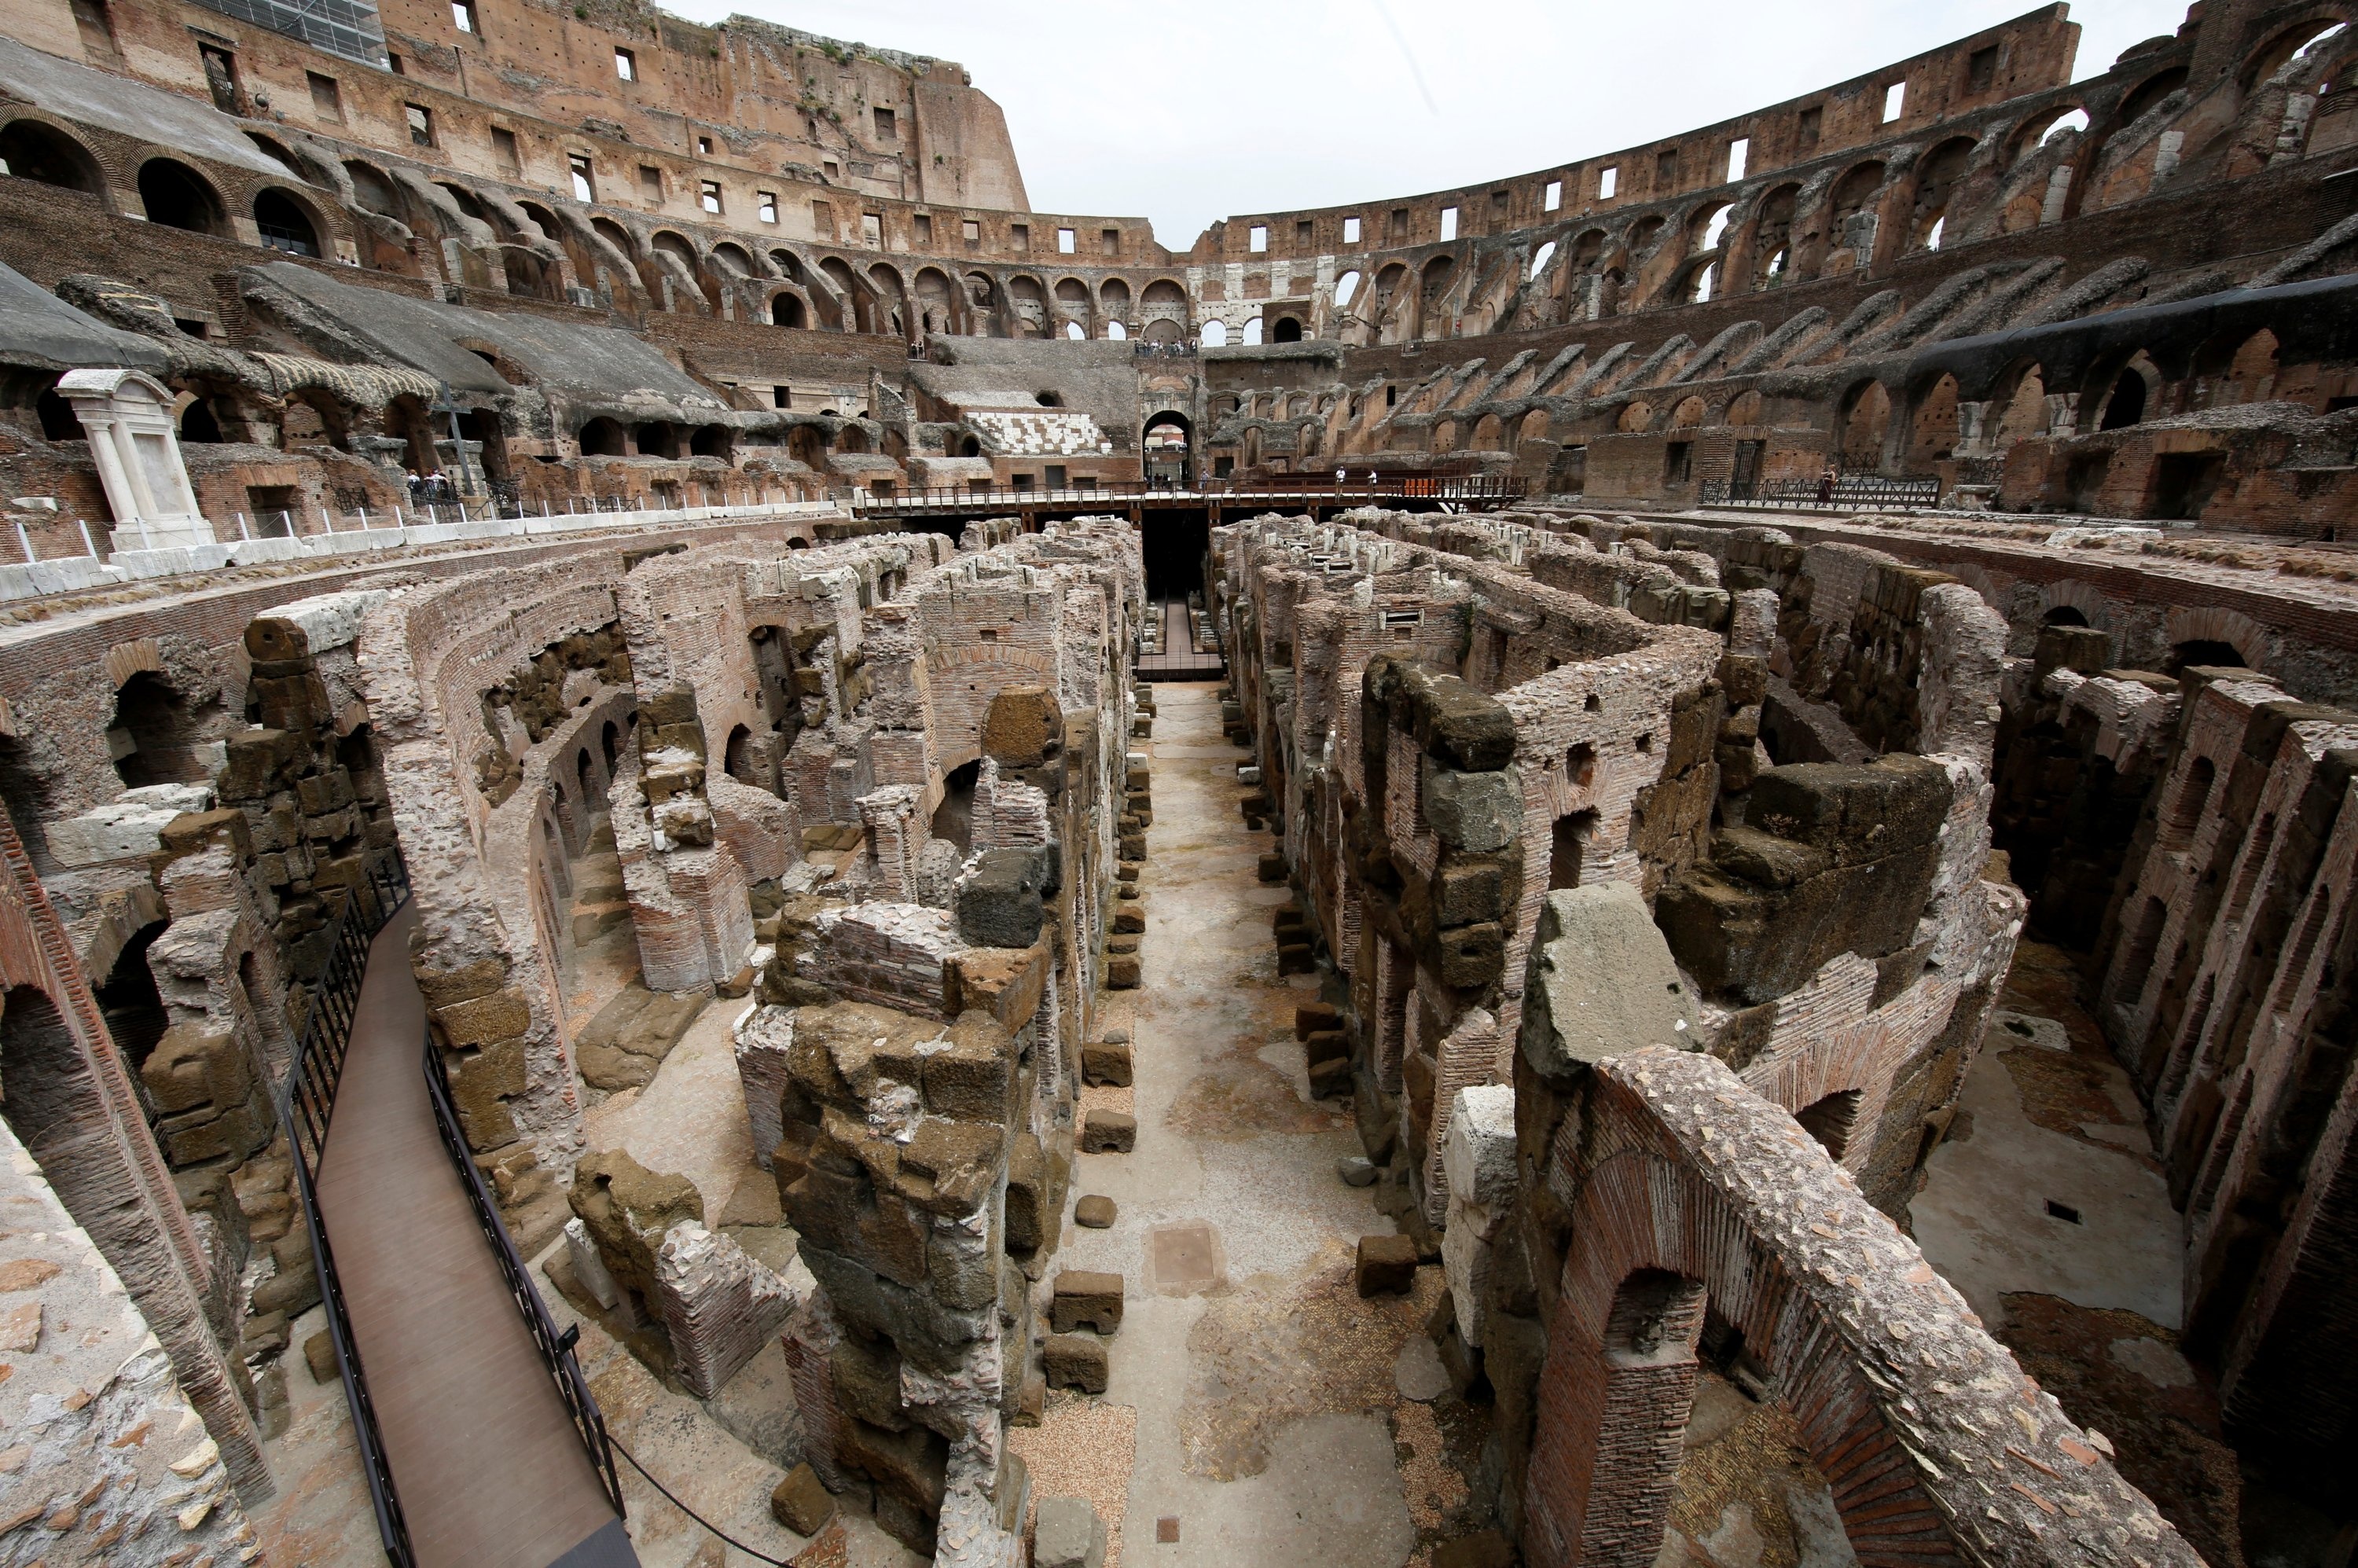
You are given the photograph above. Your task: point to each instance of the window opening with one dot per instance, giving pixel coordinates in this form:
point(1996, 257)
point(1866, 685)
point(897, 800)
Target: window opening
point(1608, 180)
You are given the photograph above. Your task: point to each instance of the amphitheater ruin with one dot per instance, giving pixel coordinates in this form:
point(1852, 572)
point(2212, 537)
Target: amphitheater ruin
point(718, 850)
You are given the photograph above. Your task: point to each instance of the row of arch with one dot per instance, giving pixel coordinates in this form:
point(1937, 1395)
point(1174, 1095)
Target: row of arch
point(172, 194)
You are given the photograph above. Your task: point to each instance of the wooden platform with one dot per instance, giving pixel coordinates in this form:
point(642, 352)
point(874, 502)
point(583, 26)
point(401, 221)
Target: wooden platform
point(488, 1466)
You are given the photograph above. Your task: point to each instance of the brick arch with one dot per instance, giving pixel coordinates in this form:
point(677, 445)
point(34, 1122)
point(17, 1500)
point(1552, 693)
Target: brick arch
point(2216, 623)
point(1598, 1429)
point(2089, 601)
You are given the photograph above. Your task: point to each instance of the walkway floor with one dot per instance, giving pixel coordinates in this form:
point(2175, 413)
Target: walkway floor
point(489, 1471)
point(1258, 1408)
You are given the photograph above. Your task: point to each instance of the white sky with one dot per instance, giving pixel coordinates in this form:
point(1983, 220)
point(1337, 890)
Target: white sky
point(1187, 111)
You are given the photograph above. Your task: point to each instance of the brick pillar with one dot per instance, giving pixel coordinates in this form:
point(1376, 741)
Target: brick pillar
point(1612, 1427)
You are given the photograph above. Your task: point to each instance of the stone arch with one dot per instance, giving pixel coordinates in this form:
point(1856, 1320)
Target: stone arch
point(287, 222)
point(1772, 235)
point(162, 734)
point(1689, 413)
point(1635, 416)
point(936, 302)
point(2216, 624)
point(2021, 405)
point(602, 437)
point(788, 308)
point(2130, 394)
point(2232, 367)
point(1489, 434)
point(1932, 427)
point(1938, 173)
point(2289, 39)
point(1745, 409)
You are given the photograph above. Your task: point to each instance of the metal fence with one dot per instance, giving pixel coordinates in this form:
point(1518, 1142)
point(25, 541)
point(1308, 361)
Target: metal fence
point(306, 1104)
point(556, 1347)
point(1847, 492)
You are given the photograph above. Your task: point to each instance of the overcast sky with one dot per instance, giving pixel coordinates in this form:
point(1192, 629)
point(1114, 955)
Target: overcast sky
point(1188, 111)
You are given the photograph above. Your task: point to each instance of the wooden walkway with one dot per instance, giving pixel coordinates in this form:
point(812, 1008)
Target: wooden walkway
point(488, 1467)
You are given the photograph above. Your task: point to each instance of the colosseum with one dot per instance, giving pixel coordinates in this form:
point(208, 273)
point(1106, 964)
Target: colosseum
point(1740, 949)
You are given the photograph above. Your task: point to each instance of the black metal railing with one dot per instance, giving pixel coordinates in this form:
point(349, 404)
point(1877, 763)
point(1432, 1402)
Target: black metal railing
point(306, 1104)
point(556, 1346)
point(1321, 489)
point(1848, 491)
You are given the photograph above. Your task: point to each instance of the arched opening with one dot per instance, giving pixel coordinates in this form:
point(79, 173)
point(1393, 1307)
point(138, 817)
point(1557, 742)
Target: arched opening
point(1253, 333)
point(127, 999)
point(1831, 1121)
point(1215, 333)
point(1346, 286)
point(40, 153)
point(2149, 93)
point(602, 437)
point(609, 746)
point(1569, 844)
point(657, 438)
point(1932, 434)
point(1074, 332)
point(1866, 415)
point(2037, 133)
point(2025, 412)
point(1635, 417)
point(1713, 228)
point(283, 225)
point(737, 757)
point(2185, 814)
point(2064, 615)
point(1773, 237)
point(24, 794)
point(198, 424)
point(544, 220)
point(179, 197)
point(712, 441)
point(1850, 230)
point(788, 310)
point(954, 817)
point(1936, 179)
point(2228, 371)
point(1165, 444)
point(158, 734)
point(2125, 405)
point(1287, 331)
point(372, 189)
point(1700, 282)
point(2293, 42)
point(2205, 653)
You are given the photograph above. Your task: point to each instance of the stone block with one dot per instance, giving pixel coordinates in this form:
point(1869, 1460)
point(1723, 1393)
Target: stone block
point(1109, 1132)
point(1312, 1016)
point(1357, 1171)
point(1084, 1296)
point(1105, 1062)
point(1604, 981)
point(1330, 1079)
point(1095, 1212)
point(319, 1355)
point(800, 1503)
point(1479, 1154)
point(999, 902)
point(1386, 1265)
point(129, 826)
point(1023, 726)
point(1130, 917)
point(1067, 1533)
point(1123, 972)
point(1295, 958)
point(1326, 1046)
point(1076, 1362)
point(1272, 868)
point(1481, 812)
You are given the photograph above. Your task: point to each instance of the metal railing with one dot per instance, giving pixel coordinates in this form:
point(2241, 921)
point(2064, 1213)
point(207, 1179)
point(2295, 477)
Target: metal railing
point(306, 1104)
point(1224, 492)
point(1871, 491)
point(556, 1347)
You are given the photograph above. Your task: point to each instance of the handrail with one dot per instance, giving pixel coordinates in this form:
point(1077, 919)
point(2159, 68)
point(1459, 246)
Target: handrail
point(1110, 492)
point(556, 1347)
point(306, 1104)
point(1846, 490)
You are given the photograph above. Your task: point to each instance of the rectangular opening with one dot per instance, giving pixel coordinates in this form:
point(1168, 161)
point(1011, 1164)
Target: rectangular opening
point(1305, 234)
point(326, 96)
point(872, 229)
point(1980, 69)
point(193, 328)
point(1666, 168)
point(708, 195)
point(393, 63)
point(1022, 480)
point(1391, 395)
point(704, 146)
point(1257, 238)
point(1223, 467)
point(1109, 242)
point(970, 230)
point(1019, 235)
point(888, 124)
point(2063, 1211)
point(1894, 101)
point(1056, 479)
point(978, 487)
point(221, 77)
point(505, 153)
point(421, 123)
point(823, 220)
point(1553, 197)
point(765, 205)
point(651, 184)
point(1738, 152)
point(1608, 182)
point(1806, 129)
point(2183, 482)
point(626, 65)
point(462, 17)
point(831, 169)
point(921, 229)
point(1677, 462)
point(273, 507)
point(1350, 230)
point(1400, 223)
point(1449, 223)
point(585, 183)
point(782, 397)
point(1067, 242)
